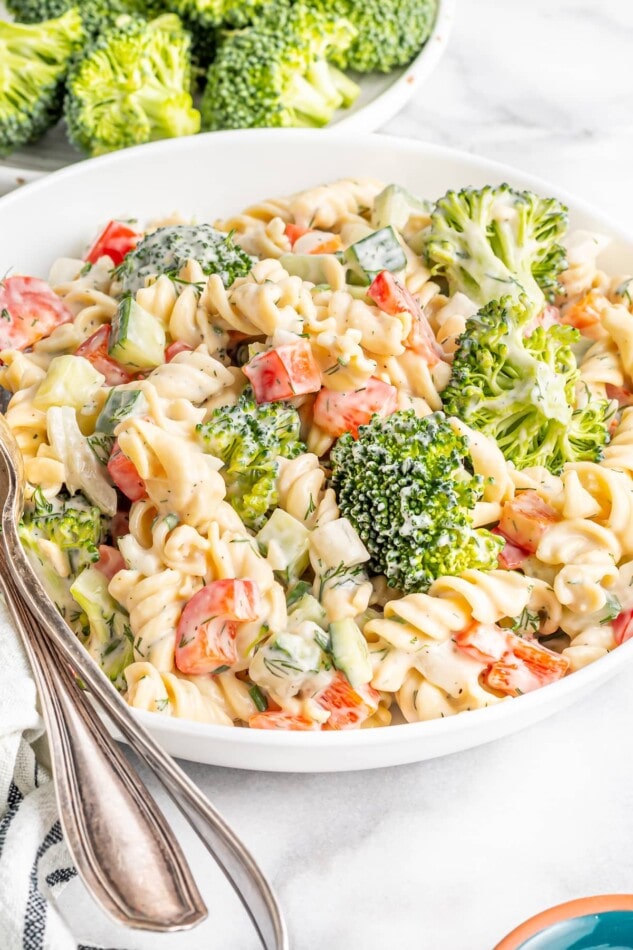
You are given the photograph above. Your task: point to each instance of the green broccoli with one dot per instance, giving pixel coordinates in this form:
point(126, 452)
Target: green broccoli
point(167, 250)
point(61, 539)
point(250, 440)
point(131, 86)
point(204, 18)
point(495, 242)
point(389, 33)
point(66, 531)
point(96, 15)
point(275, 72)
point(34, 61)
point(520, 389)
point(406, 486)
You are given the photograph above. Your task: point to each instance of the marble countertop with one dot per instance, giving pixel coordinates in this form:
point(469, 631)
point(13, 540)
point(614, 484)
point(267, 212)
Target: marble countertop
point(453, 853)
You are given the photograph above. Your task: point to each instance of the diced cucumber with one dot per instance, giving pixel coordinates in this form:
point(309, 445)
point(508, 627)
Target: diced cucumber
point(310, 267)
point(286, 542)
point(395, 205)
point(307, 608)
point(120, 405)
point(138, 339)
point(101, 444)
point(109, 640)
point(296, 593)
point(70, 381)
point(337, 542)
point(350, 652)
point(378, 251)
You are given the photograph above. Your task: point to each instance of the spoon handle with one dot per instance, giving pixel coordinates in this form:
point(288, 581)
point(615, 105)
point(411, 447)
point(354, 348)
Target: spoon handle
point(121, 844)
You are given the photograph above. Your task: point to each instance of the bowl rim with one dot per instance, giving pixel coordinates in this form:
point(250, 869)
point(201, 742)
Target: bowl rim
point(475, 720)
point(388, 103)
point(569, 910)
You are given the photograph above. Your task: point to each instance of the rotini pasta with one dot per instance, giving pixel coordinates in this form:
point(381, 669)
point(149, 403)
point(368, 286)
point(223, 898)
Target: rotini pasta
point(186, 469)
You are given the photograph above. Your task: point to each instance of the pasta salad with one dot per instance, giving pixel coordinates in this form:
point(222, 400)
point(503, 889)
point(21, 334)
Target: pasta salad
point(347, 458)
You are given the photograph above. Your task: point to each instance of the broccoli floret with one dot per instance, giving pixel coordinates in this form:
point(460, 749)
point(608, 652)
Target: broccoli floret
point(250, 440)
point(132, 86)
point(518, 386)
point(389, 32)
point(167, 250)
point(34, 61)
point(96, 15)
point(61, 539)
point(275, 72)
point(61, 532)
point(205, 17)
point(494, 242)
point(406, 486)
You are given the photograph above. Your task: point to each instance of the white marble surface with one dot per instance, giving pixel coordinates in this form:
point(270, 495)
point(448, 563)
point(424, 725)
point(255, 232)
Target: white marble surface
point(451, 854)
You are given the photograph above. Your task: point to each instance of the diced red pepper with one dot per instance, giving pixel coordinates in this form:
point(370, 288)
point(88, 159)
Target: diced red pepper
point(623, 626)
point(584, 315)
point(95, 350)
point(528, 666)
point(124, 475)
point(288, 370)
point(282, 720)
point(623, 396)
point(110, 561)
point(525, 519)
point(330, 246)
point(205, 637)
point(29, 311)
point(295, 231)
point(393, 298)
point(511, 556)
point(175, 348)
point(348, 707)
point(115, 241)
point(337, 413)
point(485, 642)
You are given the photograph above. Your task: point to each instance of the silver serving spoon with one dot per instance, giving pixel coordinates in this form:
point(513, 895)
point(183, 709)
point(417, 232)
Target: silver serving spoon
point(141, 879)
point(237, 863)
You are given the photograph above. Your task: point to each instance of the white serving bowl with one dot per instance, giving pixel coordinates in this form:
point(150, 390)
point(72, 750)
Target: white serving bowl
point(210, 176)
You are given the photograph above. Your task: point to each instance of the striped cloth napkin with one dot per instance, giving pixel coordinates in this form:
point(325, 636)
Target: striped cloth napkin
point(34, 861)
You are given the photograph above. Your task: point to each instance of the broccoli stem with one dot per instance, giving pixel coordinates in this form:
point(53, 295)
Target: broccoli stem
point(309, 100)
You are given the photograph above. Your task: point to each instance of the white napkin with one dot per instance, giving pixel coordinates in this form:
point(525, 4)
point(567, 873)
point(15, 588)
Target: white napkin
point(34, 861)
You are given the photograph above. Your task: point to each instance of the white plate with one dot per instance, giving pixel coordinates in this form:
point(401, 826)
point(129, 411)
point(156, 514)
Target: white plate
point(381, 97)
point(213, 175)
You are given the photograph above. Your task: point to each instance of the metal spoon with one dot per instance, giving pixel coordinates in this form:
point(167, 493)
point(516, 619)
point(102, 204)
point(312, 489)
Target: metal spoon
point(141, 879)
point(237, 863)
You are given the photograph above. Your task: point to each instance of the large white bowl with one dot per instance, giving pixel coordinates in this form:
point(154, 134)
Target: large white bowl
point(381, 97)
point(210, 176)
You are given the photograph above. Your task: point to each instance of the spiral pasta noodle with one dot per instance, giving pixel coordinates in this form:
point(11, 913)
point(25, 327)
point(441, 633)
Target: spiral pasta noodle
point(243, 587)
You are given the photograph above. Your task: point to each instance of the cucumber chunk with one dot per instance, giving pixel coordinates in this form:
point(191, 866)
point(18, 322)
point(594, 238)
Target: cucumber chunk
point(395, 205)
point(310, 267)
point(286, 542)
point(70, 381)
point(307, 608)
point(109, 640)
point(350, 652)
point(120, 405)
point(374, 253)
point(138, 339)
